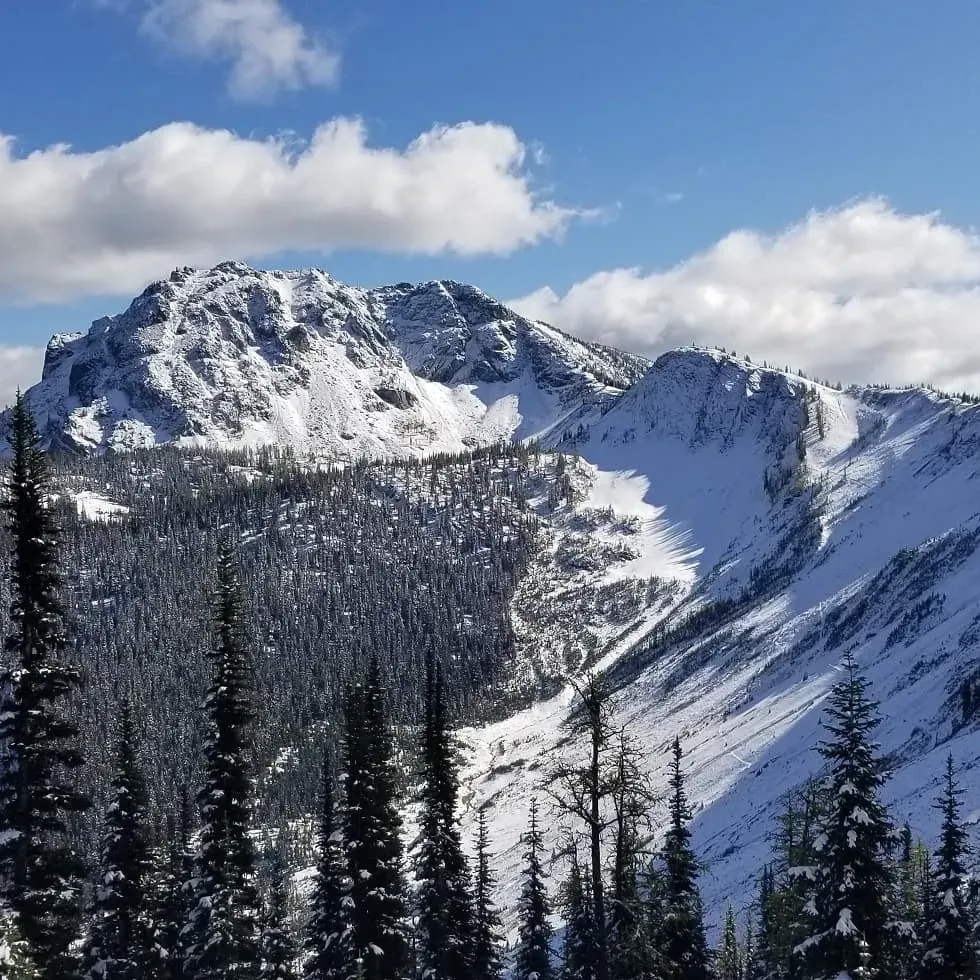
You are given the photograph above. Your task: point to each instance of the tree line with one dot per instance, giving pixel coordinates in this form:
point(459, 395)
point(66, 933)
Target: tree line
point(846, 892)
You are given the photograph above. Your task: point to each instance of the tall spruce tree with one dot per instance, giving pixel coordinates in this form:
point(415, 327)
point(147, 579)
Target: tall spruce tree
point(172, 894)
point(949, 930)
point(851, 908)
point(728, 962)
point(487, 936)
point(533, 958)
point(444, 909)
point(279, 951)
point(580, 954)
point(40, 872)
point(682, 945)
point(376, 942)
point(223, 927)
point(119, 943)
point(325, 929)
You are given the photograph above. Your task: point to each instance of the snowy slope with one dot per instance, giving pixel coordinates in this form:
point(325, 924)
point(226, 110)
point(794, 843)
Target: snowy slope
point(863, 539)
point(234, 356)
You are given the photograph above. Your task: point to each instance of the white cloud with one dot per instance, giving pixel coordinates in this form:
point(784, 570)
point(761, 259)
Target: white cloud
point(107, 221)
point(861, 293)
point(266, 49)
point(20, 367)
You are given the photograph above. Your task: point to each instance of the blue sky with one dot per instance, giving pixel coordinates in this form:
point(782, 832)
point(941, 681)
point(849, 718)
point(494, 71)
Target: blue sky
point(659, 128)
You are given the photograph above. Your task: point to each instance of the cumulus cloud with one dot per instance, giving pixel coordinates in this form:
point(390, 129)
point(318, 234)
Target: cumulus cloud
point(861, 293)
point(20, 367)
point(266, 49)
point(107, 221)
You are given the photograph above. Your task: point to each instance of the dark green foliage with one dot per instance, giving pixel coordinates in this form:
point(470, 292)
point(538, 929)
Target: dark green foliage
point(852, 903)
point(951, 920)
point(533, 959)
point(279, 951)
point(581, 959)
point(222, 935)
point(444, 910)
point(786, 886)
point(681, 942)
point(728, 962)
point(119, 943)
point(487, 938)
point(40, 870)
point(376, 943)
point(325, 929)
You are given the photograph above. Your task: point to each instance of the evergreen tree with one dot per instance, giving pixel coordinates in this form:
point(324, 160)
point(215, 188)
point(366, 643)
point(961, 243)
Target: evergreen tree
point(376, 942)
point(445, 915)
point(786, 887)
point(40, 871)
point(119, 943)
point(533, 958)
point(682, 943)
point(325, 930)
point(15, 960)
point(279, 950)
point(223, 929)
point(949, 950)
point(853, 885)
point(172, 895)
point(728, 964)
point(581, 954)
point(487, 938)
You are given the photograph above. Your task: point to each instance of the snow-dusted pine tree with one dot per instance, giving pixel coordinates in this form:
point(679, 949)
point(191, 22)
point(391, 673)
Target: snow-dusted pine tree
point(40, 872)
point(580, 955)
point(376, 941)
point(444, 909)
point(487, 937)
point(851, 908)
point(279, 950)
point(728, 962)
point(222, 934)
point(325, 929)
point(119, 943)
point(682, 946)
point(533, 959)
point(949, 929)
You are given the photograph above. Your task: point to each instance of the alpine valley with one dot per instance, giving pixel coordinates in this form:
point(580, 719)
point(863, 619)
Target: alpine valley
point(416, 468)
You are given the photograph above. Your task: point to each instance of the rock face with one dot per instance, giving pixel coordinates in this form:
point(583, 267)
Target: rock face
point(236, 356)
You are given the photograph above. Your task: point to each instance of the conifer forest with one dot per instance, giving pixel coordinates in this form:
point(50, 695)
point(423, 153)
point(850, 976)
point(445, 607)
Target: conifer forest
point(150, 828)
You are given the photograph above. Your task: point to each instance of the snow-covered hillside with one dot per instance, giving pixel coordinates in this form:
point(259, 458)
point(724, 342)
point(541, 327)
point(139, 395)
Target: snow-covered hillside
point(803, 523)
point(726, 533)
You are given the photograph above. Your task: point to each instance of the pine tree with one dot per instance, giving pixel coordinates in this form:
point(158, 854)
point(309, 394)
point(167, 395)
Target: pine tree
point(581, 955)
point(376, 942)
point(949, 950)
point(223, 935)
point(119, 943)
point(325, 930)
point(445, 915)
point(533, 958)
point(487, 937)
point(682, 943)
point(15, 960)
point(728, 965)
point(40, 872)
point(279, 950)
point(853, 884)
point(172, 895)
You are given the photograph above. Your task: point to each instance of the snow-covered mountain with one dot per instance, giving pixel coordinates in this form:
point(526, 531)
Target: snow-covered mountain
point(234, 356)
point(778, 523)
